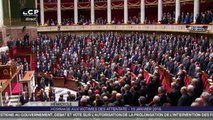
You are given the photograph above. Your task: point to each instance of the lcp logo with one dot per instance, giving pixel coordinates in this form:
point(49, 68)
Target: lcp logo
point(30, 12)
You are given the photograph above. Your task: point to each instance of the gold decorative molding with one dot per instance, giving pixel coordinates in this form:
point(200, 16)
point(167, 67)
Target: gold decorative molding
point(6, 72)
point(125, 27)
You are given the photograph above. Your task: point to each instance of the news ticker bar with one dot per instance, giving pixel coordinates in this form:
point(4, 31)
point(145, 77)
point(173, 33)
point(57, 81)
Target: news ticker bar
point(108, 115)
point(90, 109)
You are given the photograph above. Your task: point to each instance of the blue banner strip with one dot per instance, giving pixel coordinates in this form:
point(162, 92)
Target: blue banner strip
point(63, 108)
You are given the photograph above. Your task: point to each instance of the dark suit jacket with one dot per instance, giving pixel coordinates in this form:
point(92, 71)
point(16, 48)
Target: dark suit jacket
point(33, 99)
point(23, 99)
point(118, 103)
point(184, 100)
point(173, 96)
point(43, 96)
point(128, 98)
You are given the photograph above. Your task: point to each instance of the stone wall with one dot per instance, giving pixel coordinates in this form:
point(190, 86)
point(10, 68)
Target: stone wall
point(19, 32)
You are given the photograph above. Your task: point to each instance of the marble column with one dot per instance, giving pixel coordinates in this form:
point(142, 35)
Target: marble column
point(92, 12)
point(160, 10)
point(177, 10)
point(196, 9)
point(125, 11)
point(76, 11)
point(109, 13)
point(142, 11)
point(59, 12)
point(42, 12)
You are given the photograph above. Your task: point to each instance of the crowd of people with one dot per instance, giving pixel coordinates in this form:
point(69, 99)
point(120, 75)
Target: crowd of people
point(205, 17)
point(98, 56)
point(24, 63)
point(20, 42)
point(168, 18)
point(100, 21)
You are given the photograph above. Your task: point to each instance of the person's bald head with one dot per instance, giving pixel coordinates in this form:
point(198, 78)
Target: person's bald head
point(190, 88)
point(89, 91)
point(105, 99)
point(173, 85)
point(98, 97)
point(194, 81)
point(200, 101)
point(156, 99)
point(126, 87)
point(205, 96)
point(114, 93)
point(142, 100)
point(195, 104)
point(183, 90)
point(83, 101)
point(118, 96)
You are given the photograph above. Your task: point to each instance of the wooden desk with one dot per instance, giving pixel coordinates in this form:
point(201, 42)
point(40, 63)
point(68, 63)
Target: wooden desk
point(28, 76)
point(72, 84)
point(58, 82)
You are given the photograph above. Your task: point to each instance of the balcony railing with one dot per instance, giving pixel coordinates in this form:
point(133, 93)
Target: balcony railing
point(206, 29)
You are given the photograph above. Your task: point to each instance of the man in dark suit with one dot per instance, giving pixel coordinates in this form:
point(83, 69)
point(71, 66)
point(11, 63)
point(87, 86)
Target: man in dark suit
point(184, 100)
point(191, 93)
point(42, 83)
point(174, 95)
point(33, 97)
point(152, 88)
point(191, 71)
point(51, 81)
point(127, 95)
point(52, 94)
point(162, 95)
point(69, 97)
point(119, 101)
point(24, 98)
point(43, 95)
point(61, 98)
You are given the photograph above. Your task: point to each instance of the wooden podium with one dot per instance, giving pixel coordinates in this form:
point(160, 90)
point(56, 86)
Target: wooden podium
point(28, 82)
point(8, 70)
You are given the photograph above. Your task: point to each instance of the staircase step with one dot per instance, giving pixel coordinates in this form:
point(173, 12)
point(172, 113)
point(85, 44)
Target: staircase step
point(14, 100)
point(14, 96)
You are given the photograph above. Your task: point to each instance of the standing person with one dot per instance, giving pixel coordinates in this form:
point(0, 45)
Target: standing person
point(43, 95)
point(24, 98)
point(52, 94)
point(33, 97)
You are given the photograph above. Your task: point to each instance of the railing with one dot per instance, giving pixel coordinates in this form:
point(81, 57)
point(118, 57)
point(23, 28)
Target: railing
point(156, 27)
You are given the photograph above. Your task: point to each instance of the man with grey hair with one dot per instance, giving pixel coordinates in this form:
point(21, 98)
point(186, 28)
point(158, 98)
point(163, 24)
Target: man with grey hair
point(83, 101)
point(119, 100)
point(184, 100)
point(174, 95)
point(205, 97)
point(200, 101)
point(191, 93)
point(195, 104)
